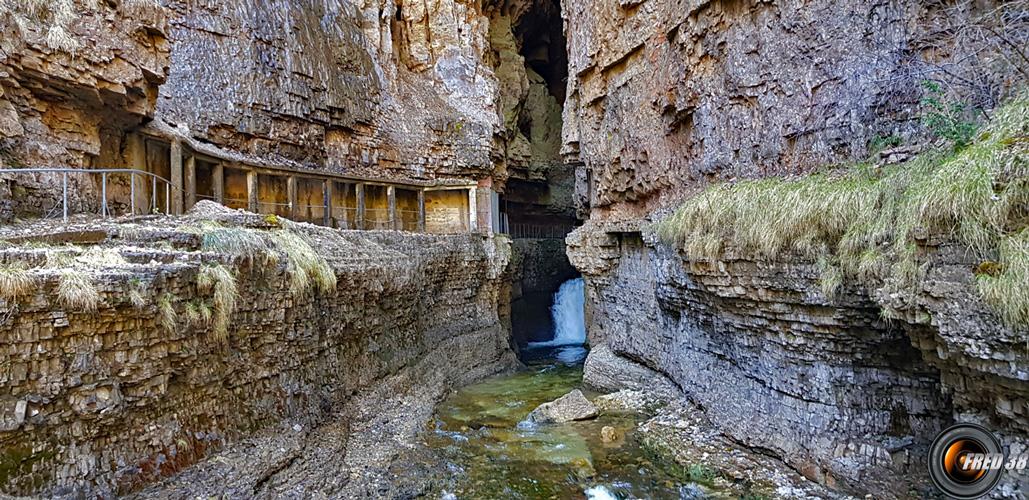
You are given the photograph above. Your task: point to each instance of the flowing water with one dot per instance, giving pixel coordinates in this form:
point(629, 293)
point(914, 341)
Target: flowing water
point(476, 431)
point(568, 313)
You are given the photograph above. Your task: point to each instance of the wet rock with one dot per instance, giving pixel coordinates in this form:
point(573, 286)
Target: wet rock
point(630, 401)
point(609, 434)
point(567, 408)
point(608, 372)
point(826, 385)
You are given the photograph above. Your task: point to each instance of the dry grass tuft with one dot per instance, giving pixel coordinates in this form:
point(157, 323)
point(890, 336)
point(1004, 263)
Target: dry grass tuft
point(247, 243)
point(1008, 291)
point(864, 223)
point(218, 281)
point(75, 290)
point(15, 281)
point(166, 316)
point(307, 269)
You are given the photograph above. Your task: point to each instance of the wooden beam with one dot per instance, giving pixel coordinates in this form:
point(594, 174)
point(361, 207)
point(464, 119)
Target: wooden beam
point(135, 149)
point(421, 211)
point(218, 182)
point(391, 203)
point(191, 181)
point(291, 195)
point(327, 186)
point(359, 192)
point(252, 190)
point(176, 176)
point(473, 222)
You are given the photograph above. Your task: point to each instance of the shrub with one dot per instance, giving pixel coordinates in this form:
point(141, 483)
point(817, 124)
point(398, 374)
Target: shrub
point(947, 119)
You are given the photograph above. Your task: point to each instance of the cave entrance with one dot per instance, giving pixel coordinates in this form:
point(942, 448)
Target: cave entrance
point(535, 200)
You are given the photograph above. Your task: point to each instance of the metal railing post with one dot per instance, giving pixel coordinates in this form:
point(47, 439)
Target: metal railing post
point(103, 195)
point(132, 194)
point(153, 196)
point(64, 181)
point(167, 199)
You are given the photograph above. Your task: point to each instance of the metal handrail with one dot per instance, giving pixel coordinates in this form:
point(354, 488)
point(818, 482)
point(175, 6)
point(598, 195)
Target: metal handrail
point(64, 171)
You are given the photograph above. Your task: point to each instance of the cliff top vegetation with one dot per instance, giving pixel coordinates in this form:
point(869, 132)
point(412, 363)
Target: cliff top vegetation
point(865, 221)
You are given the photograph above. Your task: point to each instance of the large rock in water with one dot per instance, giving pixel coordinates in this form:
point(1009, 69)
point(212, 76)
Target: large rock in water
point(571, 406)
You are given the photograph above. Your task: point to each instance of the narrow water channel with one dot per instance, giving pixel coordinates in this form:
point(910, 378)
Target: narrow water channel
point(489, 455)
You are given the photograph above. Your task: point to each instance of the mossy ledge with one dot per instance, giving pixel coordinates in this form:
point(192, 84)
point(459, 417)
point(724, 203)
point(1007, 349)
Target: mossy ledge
point(866, 222)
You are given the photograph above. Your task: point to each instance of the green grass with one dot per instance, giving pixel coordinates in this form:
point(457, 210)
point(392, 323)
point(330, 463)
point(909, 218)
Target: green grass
point(866, 223)
point(15, 281)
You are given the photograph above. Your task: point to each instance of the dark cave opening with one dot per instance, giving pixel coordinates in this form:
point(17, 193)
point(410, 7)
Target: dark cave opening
point(540, 35)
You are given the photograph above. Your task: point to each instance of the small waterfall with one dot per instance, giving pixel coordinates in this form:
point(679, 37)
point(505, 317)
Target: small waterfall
point(568, 313)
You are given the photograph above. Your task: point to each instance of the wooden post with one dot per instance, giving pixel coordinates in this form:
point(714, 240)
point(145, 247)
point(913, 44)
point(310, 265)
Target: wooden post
point(136, 151)
point(291, 195)
point(473, 223)
point(359, 192)
point(252, 190)
point(218, 182)
point(391, 202)
point(176, 176)
point(421, 211)
point(191, 181)
point(327, 186)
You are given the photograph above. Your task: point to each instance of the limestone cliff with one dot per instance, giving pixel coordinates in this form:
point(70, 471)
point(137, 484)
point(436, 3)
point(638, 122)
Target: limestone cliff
point(848, 398)
point(156, 343)
point(666, 95)
point(73, 76)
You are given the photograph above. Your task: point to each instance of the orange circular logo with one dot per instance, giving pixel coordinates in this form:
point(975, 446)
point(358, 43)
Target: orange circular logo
point(965, 461)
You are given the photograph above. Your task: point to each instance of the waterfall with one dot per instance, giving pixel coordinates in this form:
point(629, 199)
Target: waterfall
point(568, 313)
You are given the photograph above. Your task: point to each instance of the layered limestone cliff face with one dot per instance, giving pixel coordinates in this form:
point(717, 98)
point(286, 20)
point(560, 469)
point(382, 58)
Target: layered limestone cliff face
point(848, 391)
point(447, 91)
point(665, 95)
point(384, 88)
point(73, 76)
point(153, 343)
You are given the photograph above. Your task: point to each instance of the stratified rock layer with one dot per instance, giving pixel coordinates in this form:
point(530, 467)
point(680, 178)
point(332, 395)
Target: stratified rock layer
point(667, 94)
point(106, 401)
point(846, 397)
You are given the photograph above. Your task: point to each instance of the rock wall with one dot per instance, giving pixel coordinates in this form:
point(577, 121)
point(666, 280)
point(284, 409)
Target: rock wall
point(105, 401)
point(850, 391)
point(385, 88)
point(664, 95)
point(73, 76)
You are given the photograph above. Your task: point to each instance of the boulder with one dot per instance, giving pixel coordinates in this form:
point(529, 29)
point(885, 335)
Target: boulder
point(571, 406)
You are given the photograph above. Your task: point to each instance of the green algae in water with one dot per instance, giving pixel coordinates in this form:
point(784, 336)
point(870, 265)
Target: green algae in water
point(476, 432)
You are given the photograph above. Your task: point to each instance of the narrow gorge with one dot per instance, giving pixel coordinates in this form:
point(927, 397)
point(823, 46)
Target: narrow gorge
point(515, 249)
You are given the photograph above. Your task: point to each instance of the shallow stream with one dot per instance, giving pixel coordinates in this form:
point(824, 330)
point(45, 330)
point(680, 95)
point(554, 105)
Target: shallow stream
point(489, 455)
